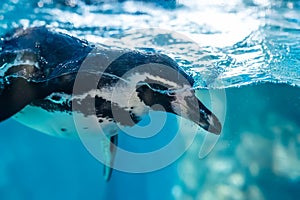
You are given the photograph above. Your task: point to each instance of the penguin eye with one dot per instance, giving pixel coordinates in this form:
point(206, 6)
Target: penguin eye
point(145, 94)
point(170, 93)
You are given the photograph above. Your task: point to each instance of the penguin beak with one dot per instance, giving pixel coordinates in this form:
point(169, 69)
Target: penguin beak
point(209, 122)
point(204, 118)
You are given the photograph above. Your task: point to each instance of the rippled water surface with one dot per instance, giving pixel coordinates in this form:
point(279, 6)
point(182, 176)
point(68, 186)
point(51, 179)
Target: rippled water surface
point(221, 43)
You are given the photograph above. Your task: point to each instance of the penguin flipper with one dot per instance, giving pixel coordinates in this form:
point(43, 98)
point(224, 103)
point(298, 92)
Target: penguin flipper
point(109, 156)
point(17, 94)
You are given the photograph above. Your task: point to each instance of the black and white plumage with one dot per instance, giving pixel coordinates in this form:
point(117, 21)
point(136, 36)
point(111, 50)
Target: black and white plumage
point(38, 70)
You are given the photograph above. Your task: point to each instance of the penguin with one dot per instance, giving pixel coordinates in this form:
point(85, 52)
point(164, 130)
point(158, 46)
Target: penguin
point(39, 74)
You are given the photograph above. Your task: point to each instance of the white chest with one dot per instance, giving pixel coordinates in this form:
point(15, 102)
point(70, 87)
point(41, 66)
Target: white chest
point(63, 124)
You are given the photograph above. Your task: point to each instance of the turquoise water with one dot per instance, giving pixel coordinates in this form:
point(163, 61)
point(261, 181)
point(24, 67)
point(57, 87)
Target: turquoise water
point(249, 49)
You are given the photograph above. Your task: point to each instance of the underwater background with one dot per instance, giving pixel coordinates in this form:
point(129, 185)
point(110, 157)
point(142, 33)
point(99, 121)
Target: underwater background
point(248, 50)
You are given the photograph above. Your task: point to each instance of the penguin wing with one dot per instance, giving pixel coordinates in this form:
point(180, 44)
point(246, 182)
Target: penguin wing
point(109, 156)
point(17, 93)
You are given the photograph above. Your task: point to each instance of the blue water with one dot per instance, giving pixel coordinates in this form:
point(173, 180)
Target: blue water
point(247, 49)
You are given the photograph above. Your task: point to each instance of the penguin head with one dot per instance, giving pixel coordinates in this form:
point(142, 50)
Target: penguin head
point(183, 103)
point(162, 85)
